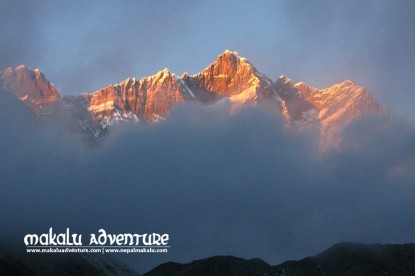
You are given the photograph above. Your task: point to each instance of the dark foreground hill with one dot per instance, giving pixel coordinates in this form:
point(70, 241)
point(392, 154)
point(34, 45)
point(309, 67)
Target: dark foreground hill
point(340, 259)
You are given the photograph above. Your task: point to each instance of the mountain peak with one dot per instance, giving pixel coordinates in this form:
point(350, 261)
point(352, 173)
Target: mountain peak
point(229, 75)
point(300, 85)
point(162, 75)
point(165, 71)
point(228, 64)
point(232, 76)
point(232, 56)
point(20, 68)
point(347, 86)
point(284, 80)
point(348, 83)
point(227, 52)
point(30, 86)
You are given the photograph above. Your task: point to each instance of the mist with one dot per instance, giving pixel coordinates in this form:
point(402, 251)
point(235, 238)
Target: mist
point(241, 185)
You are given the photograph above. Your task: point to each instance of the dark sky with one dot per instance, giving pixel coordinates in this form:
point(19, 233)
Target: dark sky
point(84, 46)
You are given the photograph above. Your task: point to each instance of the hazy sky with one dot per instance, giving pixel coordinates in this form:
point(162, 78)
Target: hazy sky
point(86, 45)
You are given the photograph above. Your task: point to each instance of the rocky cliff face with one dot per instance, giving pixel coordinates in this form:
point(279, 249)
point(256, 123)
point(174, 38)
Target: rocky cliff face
point(294, 107)
point(146, 99)
point(229, 76)
point(31, 87)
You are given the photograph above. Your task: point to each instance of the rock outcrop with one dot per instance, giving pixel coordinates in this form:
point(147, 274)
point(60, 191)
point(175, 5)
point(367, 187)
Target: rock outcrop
point(31, 87)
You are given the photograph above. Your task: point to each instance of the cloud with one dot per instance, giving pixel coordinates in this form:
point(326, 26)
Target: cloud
point(242, 185)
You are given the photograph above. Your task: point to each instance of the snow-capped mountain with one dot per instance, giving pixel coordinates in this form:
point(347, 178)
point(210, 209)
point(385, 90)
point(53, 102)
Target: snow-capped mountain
point(333, 108)
point(337, 106)
point(234, 77)
point(229, 77)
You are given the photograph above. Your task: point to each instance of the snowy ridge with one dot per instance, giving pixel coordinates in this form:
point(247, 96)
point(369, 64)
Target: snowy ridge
point(230, 78)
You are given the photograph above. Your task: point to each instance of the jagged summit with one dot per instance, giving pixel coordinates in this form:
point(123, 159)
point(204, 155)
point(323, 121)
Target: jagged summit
point(234, 57)
point(165, 71)
point(284, 79)
point(128, 80)
point(147, 100)
point(348, 82)
point(30, 86)
point(227, 51)
point(163, 74)
point(20, 67)
point(230, 76)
